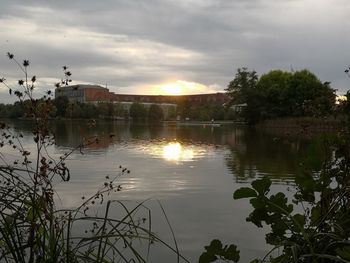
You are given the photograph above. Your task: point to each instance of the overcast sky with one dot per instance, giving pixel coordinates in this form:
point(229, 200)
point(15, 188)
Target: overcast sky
point(134, 46)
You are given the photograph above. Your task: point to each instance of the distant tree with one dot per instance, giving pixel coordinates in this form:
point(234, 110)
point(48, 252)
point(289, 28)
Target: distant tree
point(111, 109)
point(281, 94)
point(274, 93)
point(309, 96)
point(4, 110)
point(17, 110)
point(241, 86)
point(120, 111)
point(138, 111)
point(218, 112)
point(243, 89)
point(172, 113)
point(155, 113)
point(89, 110)
point(102, 109)
point(61, 104)
point(295, 94)
point(76, 111)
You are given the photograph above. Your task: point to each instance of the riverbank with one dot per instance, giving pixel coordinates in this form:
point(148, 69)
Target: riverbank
point(305, 123)
point(301, 128)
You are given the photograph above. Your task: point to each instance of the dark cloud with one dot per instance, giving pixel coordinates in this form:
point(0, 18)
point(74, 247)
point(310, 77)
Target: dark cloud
point(129, 44)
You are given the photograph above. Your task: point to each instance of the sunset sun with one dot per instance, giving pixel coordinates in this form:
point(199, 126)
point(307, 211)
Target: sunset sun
point(180, 87)
point(172, 88)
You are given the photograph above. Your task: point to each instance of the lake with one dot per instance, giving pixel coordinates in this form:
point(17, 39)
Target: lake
point(192, 170)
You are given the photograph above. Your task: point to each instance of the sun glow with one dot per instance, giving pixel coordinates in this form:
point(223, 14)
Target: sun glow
point(172, 89)
point(181, 87)
point(175, 152)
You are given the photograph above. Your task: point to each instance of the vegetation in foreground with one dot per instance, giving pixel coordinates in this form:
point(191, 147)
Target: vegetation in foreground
point(33, 228)
point(314, 225)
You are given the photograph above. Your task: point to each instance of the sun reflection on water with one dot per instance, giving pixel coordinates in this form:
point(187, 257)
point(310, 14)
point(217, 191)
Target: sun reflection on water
point(174, 151)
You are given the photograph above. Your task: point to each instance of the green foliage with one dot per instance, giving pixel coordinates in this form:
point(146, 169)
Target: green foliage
point(138, 111)
point(242, 85)
point(314, 225)
point(61, 103)
point(281, 94)
point(155, 113)
point(203, 112)
point(217, 251)
point(244, 192)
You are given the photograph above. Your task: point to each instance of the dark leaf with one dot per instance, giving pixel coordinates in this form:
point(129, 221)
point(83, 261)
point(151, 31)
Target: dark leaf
point(244, 192)
point(231, 253)
point(262, 186)
point(207, 257)
point(215, 246)
point(278, 203)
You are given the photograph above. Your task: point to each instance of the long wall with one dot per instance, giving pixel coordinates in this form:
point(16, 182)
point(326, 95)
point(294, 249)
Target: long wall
point(95, 93)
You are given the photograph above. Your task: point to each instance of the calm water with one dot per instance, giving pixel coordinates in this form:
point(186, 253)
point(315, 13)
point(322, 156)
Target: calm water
point(192, 170)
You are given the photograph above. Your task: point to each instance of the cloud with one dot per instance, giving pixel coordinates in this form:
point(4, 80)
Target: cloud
point(132, 44)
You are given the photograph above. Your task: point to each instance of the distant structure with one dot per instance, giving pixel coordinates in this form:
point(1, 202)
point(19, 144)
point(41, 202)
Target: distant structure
point(95, 94)
point(84, 93)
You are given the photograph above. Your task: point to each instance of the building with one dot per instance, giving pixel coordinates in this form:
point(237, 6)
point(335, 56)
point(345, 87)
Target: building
point(84, 93)
point(94, 94)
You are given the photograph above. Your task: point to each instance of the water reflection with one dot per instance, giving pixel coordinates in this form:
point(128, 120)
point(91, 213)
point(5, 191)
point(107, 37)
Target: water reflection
point(174, 151)
point(248, 153)
point(193, 170)
point(259, 153)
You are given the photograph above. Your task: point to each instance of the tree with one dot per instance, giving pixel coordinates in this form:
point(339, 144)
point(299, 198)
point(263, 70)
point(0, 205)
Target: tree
point(274, 88)
point(61, 103)
point(155, 113)
point(281, 94)
point(241, 86)
point(89, 110)
point(138, 111)
point(295, 94)
point(243, 89)
point(309, 96)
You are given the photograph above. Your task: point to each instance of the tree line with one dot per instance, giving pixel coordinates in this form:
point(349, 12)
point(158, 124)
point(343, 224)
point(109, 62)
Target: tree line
point(62, 108)
point(281, 94)
point(276, 94)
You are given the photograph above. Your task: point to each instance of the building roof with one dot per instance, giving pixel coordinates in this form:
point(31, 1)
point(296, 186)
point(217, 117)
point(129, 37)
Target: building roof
point(82, 86)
